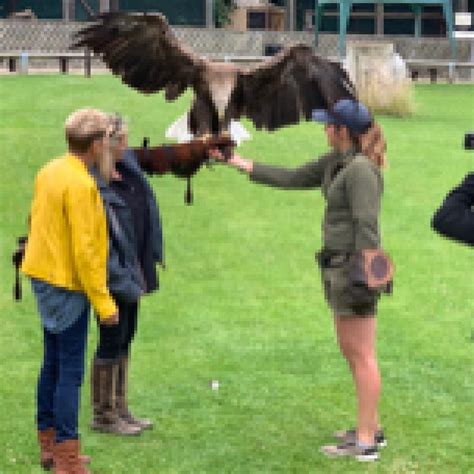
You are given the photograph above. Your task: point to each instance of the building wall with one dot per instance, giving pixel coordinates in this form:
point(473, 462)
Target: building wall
point(395, 19)
point(398, 19)
point(239, 18)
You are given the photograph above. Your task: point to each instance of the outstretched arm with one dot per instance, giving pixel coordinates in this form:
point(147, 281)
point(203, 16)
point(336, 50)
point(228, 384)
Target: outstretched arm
point(309, 175)
point(236, 161)
point(455, 217)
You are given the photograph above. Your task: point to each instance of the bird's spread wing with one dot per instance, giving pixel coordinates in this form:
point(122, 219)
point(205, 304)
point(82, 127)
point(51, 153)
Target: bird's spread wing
point(143, 51)
point(287, 88)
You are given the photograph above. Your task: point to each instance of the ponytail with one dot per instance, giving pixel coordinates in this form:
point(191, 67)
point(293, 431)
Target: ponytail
point(372, 144)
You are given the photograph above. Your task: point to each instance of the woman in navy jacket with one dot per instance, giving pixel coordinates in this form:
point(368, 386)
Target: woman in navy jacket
point(135, 247)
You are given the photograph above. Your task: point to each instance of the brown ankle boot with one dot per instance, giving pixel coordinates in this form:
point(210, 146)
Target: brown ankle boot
point(67, 459)
point(122, 397)
point(47, 442)
point(104, 401)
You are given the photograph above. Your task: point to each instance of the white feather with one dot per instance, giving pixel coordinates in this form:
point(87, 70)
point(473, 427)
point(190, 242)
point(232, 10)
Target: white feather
point(180, 132)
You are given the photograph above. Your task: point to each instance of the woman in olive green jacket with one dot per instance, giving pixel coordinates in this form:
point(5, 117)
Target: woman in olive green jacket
point(352, 184)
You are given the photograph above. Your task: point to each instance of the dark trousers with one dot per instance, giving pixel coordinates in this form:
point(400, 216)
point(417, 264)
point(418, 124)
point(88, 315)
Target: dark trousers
point(114, 341)
point(60, 379)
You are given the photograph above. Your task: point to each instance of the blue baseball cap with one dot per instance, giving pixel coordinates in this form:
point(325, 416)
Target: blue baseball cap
point(347, 112)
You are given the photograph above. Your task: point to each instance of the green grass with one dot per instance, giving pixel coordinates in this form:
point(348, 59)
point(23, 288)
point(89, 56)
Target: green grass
point(241, 302)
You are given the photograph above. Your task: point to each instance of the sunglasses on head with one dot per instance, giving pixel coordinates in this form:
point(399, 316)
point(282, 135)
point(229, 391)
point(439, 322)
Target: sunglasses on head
point(116, 126)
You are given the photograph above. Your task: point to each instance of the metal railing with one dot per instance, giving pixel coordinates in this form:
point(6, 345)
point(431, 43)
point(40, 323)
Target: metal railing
point(16, 63)
point(433, 67)
point(415, 66)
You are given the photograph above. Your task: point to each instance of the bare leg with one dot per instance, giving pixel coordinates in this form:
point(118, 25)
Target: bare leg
point(356, 338)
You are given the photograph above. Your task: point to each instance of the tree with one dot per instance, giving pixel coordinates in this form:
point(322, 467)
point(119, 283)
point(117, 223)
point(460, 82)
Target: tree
point(222, 11)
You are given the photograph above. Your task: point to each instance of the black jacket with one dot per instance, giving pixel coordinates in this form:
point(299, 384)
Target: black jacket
point(455, 218)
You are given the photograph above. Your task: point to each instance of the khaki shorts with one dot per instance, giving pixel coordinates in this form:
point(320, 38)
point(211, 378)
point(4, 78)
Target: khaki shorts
point(341, 298)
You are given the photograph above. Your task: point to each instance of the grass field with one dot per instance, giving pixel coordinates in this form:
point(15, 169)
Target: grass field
point(241, 302)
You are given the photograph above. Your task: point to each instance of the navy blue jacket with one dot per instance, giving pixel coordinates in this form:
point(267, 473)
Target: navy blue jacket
point(455, 218)
point(127, 279)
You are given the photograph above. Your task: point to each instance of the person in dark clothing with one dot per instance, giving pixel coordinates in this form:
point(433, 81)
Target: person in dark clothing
point(135, 246)
point(455, 218)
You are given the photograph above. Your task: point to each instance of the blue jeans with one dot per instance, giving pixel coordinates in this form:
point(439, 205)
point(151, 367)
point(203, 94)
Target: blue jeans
point(61, 377)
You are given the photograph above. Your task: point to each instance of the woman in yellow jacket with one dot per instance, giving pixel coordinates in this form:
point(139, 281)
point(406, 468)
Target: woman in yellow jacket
point(66, 258)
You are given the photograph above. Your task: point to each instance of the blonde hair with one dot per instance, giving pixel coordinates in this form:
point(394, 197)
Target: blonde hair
point(372, 144)
point(83, 127)
point(106, 164)
point(116, 127)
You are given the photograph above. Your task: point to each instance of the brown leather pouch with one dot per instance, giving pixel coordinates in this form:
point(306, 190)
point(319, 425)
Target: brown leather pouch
point(370, 273)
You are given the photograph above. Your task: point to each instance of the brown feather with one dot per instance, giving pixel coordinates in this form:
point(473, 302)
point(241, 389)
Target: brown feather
point(143, 50)
point(287, 88)
point(145, 53)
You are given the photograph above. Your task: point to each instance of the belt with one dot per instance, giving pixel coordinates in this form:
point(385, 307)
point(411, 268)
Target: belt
point(331, 259)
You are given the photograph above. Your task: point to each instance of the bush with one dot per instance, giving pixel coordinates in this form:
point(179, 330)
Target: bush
point(223, 9)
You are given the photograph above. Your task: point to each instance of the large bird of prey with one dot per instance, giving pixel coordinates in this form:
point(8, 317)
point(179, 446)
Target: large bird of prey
point(145, 53)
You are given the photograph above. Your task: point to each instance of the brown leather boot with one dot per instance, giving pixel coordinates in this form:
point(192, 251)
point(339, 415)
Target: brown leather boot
point(67, 459)
point(47, 442)
point(122, 398)
point(104, 400)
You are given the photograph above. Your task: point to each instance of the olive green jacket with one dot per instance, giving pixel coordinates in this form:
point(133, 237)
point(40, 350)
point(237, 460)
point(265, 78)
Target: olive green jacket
point(352, 186)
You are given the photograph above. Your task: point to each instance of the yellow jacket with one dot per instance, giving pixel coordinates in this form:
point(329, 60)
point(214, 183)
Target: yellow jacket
point(67, 243)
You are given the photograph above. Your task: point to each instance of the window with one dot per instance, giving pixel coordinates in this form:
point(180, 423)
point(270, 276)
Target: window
point(41, 8)
point(433, 9)
point(361, 26)
point(256, 20)
point(433, 27)
point(88, 11)
point(470, 8)
point(178, 12)
point(399, 26)
point(331, 8)
point(363, 7)
point(330, 24)
point(397, 8)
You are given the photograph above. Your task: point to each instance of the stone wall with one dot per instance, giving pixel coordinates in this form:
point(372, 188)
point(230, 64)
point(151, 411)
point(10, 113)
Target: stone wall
point(54, 36)
point(44, 36)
